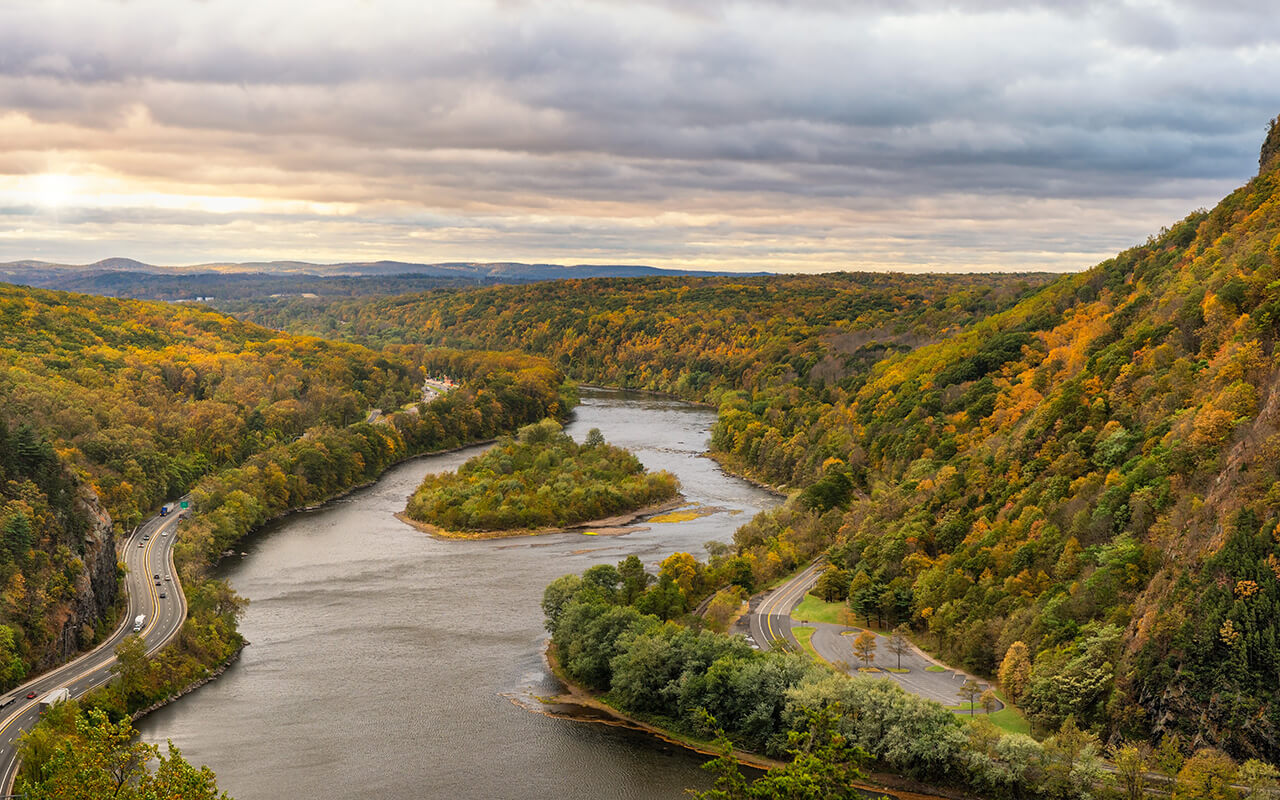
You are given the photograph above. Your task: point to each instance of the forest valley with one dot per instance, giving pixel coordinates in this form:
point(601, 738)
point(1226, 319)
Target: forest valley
point(1072, 484)
point(111, 407)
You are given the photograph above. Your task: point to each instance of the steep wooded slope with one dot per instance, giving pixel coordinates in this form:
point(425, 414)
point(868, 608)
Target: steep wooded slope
point(1094, 473)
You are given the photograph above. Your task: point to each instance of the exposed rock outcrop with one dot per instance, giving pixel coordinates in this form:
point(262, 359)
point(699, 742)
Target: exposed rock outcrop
point(96, 585)
point(1269, 158)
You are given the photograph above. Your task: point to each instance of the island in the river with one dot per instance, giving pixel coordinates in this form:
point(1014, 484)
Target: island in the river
point(540, 480)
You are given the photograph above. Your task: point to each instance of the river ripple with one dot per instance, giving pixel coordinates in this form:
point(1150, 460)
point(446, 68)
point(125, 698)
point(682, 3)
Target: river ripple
point(382, 660)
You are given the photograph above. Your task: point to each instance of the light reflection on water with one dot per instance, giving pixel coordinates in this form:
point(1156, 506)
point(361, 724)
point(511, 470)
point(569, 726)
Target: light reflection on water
point(382, 660)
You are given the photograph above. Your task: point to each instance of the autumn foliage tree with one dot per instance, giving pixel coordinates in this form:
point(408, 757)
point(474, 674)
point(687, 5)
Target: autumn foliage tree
point(864, 648)
point(1015, 671)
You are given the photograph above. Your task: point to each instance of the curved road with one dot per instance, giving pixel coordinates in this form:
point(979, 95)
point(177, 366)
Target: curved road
point(148, 552)
point(770, 620)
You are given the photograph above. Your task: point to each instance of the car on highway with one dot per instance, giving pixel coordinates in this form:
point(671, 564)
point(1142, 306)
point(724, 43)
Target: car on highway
point(140, 544)
point(166, 577)
point(163, 595)
point(31, 695)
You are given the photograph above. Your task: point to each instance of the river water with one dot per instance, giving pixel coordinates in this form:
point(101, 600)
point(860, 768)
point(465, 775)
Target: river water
point(383, 662)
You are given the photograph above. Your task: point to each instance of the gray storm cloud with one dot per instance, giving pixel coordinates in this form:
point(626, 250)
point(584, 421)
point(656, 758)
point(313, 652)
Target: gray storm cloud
point(787, 135)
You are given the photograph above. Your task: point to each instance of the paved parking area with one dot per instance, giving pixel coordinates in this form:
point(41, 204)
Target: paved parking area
point(835, 644)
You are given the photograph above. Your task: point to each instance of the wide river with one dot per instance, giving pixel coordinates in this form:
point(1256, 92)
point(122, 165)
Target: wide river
point(384, 662)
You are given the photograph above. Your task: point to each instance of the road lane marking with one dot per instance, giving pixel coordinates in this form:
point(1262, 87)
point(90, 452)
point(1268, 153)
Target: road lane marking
point(785, 593)
point(19, 712)
point(152, 527)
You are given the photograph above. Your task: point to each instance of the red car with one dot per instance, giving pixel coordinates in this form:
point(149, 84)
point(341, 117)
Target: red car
point(31, 696)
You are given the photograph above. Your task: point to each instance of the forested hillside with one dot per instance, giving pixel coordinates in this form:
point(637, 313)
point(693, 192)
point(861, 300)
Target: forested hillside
point(146, 397)
point(57, 556)
point(792, 344)
point(110, 407)
point(1093, 474)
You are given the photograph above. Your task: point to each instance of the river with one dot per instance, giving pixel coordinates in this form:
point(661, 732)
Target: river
point(383, 662)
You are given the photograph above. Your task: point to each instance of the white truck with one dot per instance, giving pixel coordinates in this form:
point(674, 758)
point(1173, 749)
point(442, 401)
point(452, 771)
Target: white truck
point(138, 621)
point(61, 695)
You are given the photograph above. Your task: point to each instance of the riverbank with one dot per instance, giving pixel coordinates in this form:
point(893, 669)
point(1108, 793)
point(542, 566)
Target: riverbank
point(579, 704)
point(616, 525)
point(652, 393)
point(569, 704)
point(350, 590)
point(347, 492)
point(191, 687)
point(730, 469)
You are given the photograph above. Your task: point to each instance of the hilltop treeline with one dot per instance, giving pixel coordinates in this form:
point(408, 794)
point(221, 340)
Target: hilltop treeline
point(793, 343)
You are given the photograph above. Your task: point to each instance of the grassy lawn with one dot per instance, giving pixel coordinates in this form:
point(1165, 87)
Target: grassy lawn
point(813, 609)
point(1010, 718)
point(935, 668)
point(804, 635)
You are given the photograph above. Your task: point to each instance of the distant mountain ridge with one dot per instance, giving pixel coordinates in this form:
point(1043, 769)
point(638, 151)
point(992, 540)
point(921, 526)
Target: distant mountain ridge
point(508, 270)
point(232, 281)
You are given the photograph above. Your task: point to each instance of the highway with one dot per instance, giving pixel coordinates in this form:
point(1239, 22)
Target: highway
point(148, 552)
point(770, 619)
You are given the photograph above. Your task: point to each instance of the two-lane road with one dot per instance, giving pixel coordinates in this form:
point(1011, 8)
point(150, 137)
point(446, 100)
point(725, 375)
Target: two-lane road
point(770, 620)
point(147, 553)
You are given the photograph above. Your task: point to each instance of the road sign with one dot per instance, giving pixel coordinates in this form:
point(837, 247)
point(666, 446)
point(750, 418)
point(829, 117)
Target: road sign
point(184, 504)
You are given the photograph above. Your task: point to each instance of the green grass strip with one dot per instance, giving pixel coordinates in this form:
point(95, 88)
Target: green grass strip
point(813, 609)
point(804, 635)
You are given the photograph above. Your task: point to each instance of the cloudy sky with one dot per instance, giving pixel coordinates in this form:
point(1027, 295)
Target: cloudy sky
point(782, 135)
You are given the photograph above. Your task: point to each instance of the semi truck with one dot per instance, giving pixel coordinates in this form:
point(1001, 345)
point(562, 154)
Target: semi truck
point(61, 695)
point(137, 622)
point(164, 511)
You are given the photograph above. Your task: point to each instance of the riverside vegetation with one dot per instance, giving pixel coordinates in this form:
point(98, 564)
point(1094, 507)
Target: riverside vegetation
point(540, 479)
point(624, 634)
point(124, 404)
point(1072, 482)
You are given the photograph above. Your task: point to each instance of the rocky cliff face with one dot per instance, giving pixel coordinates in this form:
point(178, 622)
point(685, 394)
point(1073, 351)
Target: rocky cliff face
point(96, 585)
point(1270, 155)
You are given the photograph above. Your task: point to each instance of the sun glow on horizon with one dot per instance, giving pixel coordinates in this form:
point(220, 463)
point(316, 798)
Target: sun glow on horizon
point(60, 191)
point(55, 190)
